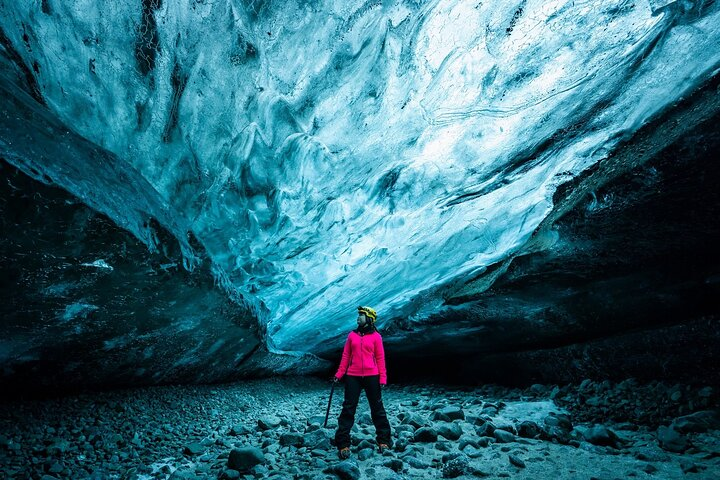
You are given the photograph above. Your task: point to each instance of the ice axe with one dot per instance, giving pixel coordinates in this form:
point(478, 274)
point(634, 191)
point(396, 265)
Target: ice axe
point(332, 389)
point(327, 413)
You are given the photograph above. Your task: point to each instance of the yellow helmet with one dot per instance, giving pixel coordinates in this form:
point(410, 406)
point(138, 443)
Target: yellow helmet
point(368, 312)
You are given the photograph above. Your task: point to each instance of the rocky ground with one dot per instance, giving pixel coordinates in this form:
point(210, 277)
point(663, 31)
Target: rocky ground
point(273, 429)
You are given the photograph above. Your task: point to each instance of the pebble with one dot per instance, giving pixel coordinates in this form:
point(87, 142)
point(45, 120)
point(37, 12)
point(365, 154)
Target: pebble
point(281, 435)
point(345, 470)
point(515, 460)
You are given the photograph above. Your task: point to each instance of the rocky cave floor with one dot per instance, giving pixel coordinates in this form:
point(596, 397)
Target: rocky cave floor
point(273, 429)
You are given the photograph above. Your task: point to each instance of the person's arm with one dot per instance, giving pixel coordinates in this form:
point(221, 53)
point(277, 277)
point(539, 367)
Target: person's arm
point(380, 359)
point(345, 360)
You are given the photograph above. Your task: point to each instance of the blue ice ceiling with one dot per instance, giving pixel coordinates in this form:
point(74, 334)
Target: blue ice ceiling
point(331, 154)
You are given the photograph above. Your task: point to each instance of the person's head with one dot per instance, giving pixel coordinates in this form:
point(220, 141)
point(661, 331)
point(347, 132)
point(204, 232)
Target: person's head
point(366, 316)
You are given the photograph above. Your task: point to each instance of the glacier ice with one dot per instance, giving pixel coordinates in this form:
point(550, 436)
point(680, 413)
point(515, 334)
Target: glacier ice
point(329, 154)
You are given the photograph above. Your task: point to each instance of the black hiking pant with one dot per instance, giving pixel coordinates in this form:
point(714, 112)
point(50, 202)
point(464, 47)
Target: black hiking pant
point(353, 386)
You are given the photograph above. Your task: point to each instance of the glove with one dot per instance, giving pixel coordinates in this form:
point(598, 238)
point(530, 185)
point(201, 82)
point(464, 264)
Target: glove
point(335, 379)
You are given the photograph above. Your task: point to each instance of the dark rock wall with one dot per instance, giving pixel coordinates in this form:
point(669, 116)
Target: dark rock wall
point(85, 303)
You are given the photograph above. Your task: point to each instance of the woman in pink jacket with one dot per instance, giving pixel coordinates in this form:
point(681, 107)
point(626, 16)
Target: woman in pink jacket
point(363, 365)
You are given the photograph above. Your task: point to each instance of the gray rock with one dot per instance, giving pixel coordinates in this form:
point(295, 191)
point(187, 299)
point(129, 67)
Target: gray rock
point(484, 441)
point(671, 440)
point(538, 389)
point(515, 460)
point(365, 453)
point(485, 430)
point(705, 392)
point(416, 463)
point(649, 468)
point(558, 434)
point(316, 438)
point(193, 448)
point(291, 439)
point(380, 472)
point(600, 435)
point(439, 417)
point(451, 431)
point(466, 440)
point(259, 470)
point(472, 452)
point(243, 459)
point(268, 422)
point(529, 429)
point(443, 446)
point(316, 420)
point(558, 420)
point(345, 470)
point(237, 430)
point(698, 422)
point(453, 412)
point(404, 428)
point(651, 454)
point(425, 435)
point(364, 419)
point(460, 465)
point(687, 466)
point(365, 443)
point(503, 436)
point(394, 464)
point(414, 420)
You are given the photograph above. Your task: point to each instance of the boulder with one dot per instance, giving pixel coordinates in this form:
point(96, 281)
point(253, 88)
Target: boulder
point(292, 439)
point(425, 435)
point(243, 459)
point(600, 435)
point(671, 440)
point(453, 412)
point(503, 436)
point(457, 466)
point(268, 422)
point(193, 448)
point(515, 460)
point(529, 429)
point(451, 431)
point(698, 422)
point(345, 470)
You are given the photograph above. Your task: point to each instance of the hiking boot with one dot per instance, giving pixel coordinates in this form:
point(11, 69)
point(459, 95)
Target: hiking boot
point(344, 453)
point(383, 447)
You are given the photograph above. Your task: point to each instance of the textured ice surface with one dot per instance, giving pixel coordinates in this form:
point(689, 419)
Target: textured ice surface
point(331, 154)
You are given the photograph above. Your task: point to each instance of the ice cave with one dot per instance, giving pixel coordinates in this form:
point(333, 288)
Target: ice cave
point(381, 239)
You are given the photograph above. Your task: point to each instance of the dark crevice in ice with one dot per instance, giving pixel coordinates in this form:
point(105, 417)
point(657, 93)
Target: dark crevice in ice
point(147, 43)
point(28, 80)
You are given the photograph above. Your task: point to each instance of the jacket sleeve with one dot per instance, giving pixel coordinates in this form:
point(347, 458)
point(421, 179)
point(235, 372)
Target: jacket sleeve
point(344, 362)
point(380, 359)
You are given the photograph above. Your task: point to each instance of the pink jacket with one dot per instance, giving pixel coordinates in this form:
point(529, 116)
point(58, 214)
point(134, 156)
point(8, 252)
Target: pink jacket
point(365, 356)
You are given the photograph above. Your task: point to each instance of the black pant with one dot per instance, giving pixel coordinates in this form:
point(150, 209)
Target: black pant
point(353, 386)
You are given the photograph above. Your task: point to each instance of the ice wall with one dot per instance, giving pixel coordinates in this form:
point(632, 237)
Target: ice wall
point(331, 154)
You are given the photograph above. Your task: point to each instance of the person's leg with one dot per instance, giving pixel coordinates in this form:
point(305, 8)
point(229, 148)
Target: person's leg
point(347, 416)
point(377, 410)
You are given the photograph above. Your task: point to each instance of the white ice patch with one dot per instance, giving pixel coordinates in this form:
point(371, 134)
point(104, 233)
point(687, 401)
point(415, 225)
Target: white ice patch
point(515, 412)
point(100, 263)
point(78, 310)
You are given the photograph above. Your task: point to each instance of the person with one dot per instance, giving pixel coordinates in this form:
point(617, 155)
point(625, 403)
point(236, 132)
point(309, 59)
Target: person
point(363, 366)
